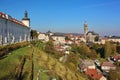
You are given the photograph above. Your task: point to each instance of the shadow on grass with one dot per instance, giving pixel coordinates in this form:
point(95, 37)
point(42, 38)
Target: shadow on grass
point(3, 57)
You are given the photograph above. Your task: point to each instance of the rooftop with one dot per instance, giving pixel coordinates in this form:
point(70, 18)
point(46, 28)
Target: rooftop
point(92, 32)
point(93, 73)
point(8, 17)
point(108, 64)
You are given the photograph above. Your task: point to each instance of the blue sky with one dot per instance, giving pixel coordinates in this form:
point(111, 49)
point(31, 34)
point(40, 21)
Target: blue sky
point(102, 16)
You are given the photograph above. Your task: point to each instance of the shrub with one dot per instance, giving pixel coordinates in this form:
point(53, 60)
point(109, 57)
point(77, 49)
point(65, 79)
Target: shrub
point(4, 50)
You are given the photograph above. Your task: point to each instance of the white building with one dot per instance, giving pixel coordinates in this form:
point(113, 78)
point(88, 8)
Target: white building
point(114, 39)
point(13, 30)
point(43, 37)
point(92, 36)
point(87, 64)
point(107, 66)
point(58, 39)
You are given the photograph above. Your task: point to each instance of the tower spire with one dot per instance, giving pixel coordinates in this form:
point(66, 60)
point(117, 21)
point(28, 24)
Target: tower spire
point(85, 29)
point(25, 14)
point(25, 19)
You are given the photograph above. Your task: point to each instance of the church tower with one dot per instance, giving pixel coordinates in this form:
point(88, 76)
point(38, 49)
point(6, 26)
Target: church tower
point(85, 29)
point(26, 20)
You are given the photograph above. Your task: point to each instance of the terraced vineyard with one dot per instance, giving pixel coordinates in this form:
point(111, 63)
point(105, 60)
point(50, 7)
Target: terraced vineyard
point(31, 63)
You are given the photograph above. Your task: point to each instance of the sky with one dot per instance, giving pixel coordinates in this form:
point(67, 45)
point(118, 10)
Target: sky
point(67, 16)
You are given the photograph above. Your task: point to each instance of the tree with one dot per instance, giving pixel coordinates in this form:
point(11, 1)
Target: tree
point(118, 49)
point(75, 48)
point(114, 75)
point(97, 38)
point(34, 34)
point(110, 49)
point(73, 58)
point(84, 51)
point(67, 38)
point(49, 47)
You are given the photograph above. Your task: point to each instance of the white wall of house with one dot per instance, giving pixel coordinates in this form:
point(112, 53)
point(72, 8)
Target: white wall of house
point(43, 37)
point(91, 67)
point(103, 41)
point(59, 39)
point(91, 37)
point(108, 68)
point(82, 39)
point(11, 32)
point(103, 78)
point(114, 40)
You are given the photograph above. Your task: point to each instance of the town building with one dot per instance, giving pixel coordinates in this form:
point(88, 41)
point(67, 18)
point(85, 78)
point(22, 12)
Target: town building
point(114, 39)
point(85, 29)
point(86, 64)
point(58, 39)
point(90, 36)
point(13, 30)
point(107, 66)
point(94, 75)
point(43, 37)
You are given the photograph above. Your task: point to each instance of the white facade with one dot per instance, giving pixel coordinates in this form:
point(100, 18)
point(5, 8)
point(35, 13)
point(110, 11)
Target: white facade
point(91, 36)
point(43, 37)
point(58, 39)
point(103, 78)
point(107, 66)
point(103, 41)
point(26, 22)
point(12, 30)
point(114, 39)
point(88, 64)
point(82, 39)
point(85, 29)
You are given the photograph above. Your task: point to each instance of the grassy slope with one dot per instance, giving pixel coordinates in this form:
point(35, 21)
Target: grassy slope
point(54, 66)
point(48, 66)
point(9, 65)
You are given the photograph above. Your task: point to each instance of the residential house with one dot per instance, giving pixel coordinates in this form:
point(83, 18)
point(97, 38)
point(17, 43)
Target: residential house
point(117, 58)
point(110, 38)
point(86, 64)
point(59, 48)
point(58, 39)
point(107, 66)
point(68, 42)
point(93, 73)
point(114, 39)
point(82, 39)
point(103, 40)
point(43, 37)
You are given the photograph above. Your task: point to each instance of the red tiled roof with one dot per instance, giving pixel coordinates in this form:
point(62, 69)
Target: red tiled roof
point(116, 57)
point(58, 47)
point(93, 73)
point(3, 15)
